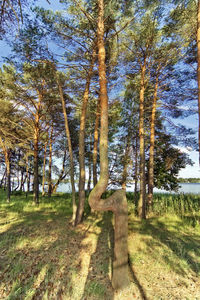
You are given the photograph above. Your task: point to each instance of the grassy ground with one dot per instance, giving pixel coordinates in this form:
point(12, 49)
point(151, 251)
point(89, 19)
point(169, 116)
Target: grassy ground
point(43, 257)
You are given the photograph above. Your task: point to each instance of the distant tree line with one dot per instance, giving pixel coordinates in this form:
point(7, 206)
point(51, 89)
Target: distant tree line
point(189, 180)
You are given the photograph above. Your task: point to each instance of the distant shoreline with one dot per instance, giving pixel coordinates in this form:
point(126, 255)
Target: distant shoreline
point(189, 180)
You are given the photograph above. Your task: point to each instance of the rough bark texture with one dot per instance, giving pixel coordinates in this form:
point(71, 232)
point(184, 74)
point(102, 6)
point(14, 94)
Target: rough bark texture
point(80, 209)
point(116, 202)
point(142, 199)
point(198, 67)
point(151, 150)
point(96, 138)
point(74, 207)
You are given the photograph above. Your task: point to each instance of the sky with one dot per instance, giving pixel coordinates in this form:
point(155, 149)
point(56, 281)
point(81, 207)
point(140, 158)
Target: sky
point(189, 171)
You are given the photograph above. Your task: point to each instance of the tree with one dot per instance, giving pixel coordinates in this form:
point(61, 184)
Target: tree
point(116, 202)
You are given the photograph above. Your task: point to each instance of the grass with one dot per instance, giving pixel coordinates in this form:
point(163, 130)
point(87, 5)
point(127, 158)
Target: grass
point(43, 257)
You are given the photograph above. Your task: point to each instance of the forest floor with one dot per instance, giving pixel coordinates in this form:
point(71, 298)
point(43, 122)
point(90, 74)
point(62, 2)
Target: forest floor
point(43, 257)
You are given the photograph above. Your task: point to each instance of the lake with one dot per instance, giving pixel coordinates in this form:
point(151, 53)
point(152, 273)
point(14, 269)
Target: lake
point(185, 188)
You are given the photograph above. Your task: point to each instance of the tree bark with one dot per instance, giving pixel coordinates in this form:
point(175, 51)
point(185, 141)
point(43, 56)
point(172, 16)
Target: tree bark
point(89, 165)
point(151, 150)
point(6, 152)
point(198, 68)
point(142, 199)
point(74, 207)
point(36, 177)
point(136, 168)
point(36, 151)
point(80, 209)
point(96, 138)
point(43, 170)
point(116, 202)
point(27, 177)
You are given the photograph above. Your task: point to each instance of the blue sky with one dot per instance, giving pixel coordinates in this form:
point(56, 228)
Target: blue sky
point(189, 171)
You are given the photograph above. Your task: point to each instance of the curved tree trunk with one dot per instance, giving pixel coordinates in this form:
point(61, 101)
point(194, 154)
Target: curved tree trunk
point(116, 202)
point(74, 207)
point(151, 150)
point(142, 199)
point(81, 202)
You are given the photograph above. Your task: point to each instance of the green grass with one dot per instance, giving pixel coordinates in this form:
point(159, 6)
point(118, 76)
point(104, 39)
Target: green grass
point(43, 257)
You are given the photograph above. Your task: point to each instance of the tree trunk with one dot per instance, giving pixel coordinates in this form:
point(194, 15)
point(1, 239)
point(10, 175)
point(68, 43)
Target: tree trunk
point(62, 175)
point(36, 151)
point(21, 180)
point(136, 168)
point(7, 153)
point(198, 68)
point(74, 207)
point(8, 176)
point(27, 178)
point(126, 162)
point(43, 170)
point(36, 175)
point(2, 179)
point(96, 138)
point(89, 165)
point(116, 202)
point(50, 163)
point(80, 209)
point(142, 199)
point(151, 150)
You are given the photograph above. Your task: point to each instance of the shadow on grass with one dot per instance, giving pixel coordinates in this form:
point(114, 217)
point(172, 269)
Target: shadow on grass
point(98, 284)
point(38, 256)
point(136, 281)
point(184, 249)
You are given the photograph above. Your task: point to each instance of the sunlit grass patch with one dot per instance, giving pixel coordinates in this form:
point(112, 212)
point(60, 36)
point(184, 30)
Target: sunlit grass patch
point(43, 257)
point(95, 289)
point(164, 253)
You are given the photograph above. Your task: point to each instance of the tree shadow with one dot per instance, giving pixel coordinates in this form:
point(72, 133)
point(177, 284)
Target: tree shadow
point(39, 257)
point(98, 282)
point(180, 244)
point(136, 281)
